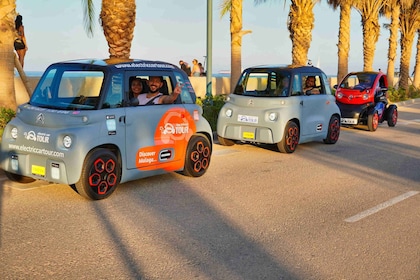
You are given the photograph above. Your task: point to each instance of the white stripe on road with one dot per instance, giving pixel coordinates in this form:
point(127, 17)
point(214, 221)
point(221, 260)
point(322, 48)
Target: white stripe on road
point(380, 207)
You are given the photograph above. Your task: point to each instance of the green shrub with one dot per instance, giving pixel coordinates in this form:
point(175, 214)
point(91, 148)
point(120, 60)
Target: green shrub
point(211, 107)
point(396, 95)
point(6, 115)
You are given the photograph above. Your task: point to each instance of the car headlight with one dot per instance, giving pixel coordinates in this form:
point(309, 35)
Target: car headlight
point(67, 141)
point(365, 96)
point(272, 116)
point(14, 133)
point(339, 95)
point(229, 113)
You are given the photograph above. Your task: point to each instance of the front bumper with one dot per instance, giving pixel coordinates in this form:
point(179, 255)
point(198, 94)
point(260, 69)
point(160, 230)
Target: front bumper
point(352, 115)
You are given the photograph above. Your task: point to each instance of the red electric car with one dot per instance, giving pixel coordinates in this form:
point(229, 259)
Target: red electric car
point(362, 99)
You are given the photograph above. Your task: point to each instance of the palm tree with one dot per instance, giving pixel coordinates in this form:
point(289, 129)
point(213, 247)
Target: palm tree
point(409, 25)
point(300, 24)
point(7, 54)
point(392, 10)
point(236, 33)
point(369, 11)
point(117, 18)
point(343, 44)
point(416, 81)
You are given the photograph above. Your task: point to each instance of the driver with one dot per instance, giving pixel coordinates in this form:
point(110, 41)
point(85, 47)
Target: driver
point(310, 87)
point(365, 82)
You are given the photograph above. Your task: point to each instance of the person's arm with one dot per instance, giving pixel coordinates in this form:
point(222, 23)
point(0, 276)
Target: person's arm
point(169, 99)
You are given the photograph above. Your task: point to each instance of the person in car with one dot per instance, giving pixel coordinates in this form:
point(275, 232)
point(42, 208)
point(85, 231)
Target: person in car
point(136, 87)
point(283, 88)
point(310, 87)
point(365, 82)
point(154, 96)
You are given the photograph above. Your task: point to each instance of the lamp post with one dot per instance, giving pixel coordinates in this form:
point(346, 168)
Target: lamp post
point(209, 49)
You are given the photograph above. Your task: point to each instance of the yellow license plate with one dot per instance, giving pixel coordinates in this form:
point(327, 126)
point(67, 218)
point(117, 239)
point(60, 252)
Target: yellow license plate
point(38, 170)
point(248, 135)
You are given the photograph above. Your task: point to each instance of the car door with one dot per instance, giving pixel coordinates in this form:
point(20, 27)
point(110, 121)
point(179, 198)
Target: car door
point(157, 135)
point(313, 109)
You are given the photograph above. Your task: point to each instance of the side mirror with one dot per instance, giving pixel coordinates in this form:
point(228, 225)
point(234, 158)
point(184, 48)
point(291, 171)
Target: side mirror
point(335, 86)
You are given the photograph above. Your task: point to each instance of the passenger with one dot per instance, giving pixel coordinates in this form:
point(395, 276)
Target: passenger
point(154, 96)
point(136, 87)
point(283, 88)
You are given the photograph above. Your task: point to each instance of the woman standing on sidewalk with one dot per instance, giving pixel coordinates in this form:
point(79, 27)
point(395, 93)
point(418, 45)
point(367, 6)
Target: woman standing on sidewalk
point(20, 41)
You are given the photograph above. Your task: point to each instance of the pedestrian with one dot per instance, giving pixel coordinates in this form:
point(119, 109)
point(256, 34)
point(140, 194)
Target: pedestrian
point(202, 71)
point(20, 42)
point(184, 66)
point(195, 72)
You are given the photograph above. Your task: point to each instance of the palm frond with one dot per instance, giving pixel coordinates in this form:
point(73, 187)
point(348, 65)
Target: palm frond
point(88, 15)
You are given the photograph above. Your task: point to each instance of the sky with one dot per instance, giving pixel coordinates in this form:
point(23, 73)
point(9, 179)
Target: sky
point(170, 30)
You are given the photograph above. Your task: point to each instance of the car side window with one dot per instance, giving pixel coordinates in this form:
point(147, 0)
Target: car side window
point(326, 88)
point(297, 85)
point(114, 94)
point(186, 96)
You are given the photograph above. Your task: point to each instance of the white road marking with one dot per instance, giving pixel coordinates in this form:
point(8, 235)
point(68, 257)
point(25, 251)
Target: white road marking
point(380, 207)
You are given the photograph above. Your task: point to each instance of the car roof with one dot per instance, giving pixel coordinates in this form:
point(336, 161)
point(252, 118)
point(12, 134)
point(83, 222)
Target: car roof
point(366, 72)
point(127, 64)
point(306, 69)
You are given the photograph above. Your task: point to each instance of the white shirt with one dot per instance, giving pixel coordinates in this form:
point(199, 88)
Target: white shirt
point(143, 98)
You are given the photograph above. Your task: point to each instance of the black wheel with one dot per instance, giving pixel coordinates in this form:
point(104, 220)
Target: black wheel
point(197, 158)
point(19, 178)
point(100, 175)
point(373, 121)
point(290, 139)
point(225, 142)
point(392, 115)
point(333, 130)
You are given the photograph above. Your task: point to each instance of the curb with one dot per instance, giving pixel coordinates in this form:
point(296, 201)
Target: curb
point(407, 102)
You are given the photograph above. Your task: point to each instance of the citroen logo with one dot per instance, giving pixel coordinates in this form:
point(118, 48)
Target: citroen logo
point(40, 118)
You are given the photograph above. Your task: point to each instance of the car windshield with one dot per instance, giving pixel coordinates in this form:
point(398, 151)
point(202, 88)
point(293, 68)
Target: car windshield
point(263, 83)
point(68, 89)
point(358, 81)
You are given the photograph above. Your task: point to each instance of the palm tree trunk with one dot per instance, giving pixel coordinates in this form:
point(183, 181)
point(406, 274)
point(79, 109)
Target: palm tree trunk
point(343, 41)
point(393, 43)
point(118, 21)
point(24, 79)
point(7, 54)
point(371, 30)
point(236, 34)
point(406, 45)
point(416, 81)
point(301, 23)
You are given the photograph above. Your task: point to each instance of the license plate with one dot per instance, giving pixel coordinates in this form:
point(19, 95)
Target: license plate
point(348, 121)
point(247, 119)
point(248, 135)
point(38, 170)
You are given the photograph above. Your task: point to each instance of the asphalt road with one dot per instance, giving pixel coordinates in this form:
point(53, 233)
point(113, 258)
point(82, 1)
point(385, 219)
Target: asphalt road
point(344, 211)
